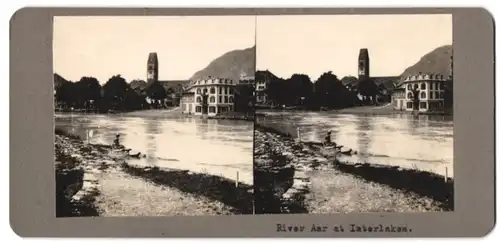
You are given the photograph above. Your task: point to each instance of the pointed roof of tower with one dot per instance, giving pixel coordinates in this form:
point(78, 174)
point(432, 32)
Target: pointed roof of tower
point(153, 57)
point(363, 53)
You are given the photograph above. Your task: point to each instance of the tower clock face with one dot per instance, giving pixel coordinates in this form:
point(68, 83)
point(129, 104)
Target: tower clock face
point(361, 68)
point(361, 71)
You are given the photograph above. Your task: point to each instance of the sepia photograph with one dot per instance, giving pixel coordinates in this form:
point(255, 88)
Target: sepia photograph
point(354, 114)
point(153, 115)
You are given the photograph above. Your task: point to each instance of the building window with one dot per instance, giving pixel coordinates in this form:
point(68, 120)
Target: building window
point(409, 95)
point(408, 87)
point(225, 99)
point(441, 94)
point(212, 99)
point(212, 90)
point(230, 99)
point(220, 90)
point(220, 99)
point(183, 107)
point(225, 90)
point(211, 109)
point(198, 99)
point(431, 94)
point(198, 91)
point(440, 86)
point(198, 109)
point(230, 81)
point(409, 105)
point(423, 95)
point(205, 91)
point(423, 105)
point(422, 86)
point(415, 86)
point(230, 90)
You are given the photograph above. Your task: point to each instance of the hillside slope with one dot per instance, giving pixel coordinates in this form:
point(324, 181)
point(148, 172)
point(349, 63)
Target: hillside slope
point(437, 62)
point(230, 65)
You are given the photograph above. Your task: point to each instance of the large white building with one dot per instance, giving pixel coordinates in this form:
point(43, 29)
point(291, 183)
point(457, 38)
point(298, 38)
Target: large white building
point(209, 97)
point(428, 89)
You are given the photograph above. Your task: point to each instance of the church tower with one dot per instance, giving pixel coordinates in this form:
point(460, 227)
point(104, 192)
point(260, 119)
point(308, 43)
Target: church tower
point(363, 64)
point(152, 74)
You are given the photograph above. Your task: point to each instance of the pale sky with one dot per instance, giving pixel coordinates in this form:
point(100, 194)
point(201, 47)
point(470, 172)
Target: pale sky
point(314, 44)
point(103, 46)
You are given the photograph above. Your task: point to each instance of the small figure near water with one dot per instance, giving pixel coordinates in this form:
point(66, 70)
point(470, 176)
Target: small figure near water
point(328, 139)
point(116, 142)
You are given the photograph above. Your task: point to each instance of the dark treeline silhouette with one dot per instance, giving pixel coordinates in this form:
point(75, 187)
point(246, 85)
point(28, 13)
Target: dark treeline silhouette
point(298, 90)
point(116, 94)
point(328, 92)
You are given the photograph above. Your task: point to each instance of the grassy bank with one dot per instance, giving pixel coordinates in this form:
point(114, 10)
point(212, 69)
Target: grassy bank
point(364, 110)
point(414, 190)
point(217, 188)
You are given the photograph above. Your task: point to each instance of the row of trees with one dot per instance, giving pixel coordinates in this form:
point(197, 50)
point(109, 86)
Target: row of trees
point(116, 94)
point(328, 91)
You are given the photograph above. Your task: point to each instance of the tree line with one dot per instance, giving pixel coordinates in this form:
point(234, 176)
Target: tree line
point(328, 91)
point(115, 94)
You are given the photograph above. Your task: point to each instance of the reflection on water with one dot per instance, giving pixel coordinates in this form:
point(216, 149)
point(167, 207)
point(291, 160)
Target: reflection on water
point(424, 142)
point(201, 145)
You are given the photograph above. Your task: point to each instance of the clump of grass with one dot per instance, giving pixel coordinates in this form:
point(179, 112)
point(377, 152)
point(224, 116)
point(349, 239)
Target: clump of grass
point(62, 132)
point(211, 186)
point(269, 129)
point(423, 183)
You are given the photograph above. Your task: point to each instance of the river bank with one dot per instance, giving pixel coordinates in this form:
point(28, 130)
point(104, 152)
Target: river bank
point(386, 109)
point(95, 180)
point(316, 181)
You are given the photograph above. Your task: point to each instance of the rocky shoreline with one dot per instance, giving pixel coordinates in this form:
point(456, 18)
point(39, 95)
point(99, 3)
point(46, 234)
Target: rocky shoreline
point(305, 172)
point(96, 180)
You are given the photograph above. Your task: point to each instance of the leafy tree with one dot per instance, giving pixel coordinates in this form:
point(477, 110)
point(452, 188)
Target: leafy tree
point(367, 88)
point(66, 93)
point(114, 92)
point(243, 98)
point(330, 92)
point(156, 91)
point(89, 89)
point(298, 89)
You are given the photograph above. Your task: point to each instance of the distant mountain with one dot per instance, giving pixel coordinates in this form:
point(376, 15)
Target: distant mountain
point(435, 62)
point(230, 65)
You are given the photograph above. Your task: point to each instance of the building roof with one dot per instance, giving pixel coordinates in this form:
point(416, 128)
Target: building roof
point(388, 82)
point(173, 83)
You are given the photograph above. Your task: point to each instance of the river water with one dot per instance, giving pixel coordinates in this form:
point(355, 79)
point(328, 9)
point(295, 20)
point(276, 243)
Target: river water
point(421, 142)
point(217, 147)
